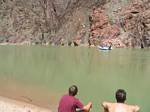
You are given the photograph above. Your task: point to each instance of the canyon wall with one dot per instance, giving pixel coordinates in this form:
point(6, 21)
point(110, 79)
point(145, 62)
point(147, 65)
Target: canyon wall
point(120, 23)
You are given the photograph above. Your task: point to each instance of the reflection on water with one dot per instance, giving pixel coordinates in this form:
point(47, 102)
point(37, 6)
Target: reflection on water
point(41, 75)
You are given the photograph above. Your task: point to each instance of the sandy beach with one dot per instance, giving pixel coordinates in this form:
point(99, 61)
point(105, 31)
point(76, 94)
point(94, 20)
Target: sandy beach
point(10, 105)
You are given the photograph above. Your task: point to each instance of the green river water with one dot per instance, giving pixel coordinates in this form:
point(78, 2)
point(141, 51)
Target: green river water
point(41, 75)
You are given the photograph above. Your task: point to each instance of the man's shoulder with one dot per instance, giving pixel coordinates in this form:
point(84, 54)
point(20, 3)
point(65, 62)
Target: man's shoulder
point(68, 97)
point(107, 104)
point(134, 107)
point(65, 97)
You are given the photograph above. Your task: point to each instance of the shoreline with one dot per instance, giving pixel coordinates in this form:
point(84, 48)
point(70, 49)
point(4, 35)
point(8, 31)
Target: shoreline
point(81, 45)
point(11, 105)
point(42, 44)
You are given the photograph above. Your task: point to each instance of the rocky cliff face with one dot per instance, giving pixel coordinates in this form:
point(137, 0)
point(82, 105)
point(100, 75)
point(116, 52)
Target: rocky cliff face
point(122, 23)
point(43, 21)
point(122, 26)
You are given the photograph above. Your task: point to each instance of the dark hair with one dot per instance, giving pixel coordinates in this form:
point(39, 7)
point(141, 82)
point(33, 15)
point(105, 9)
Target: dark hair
point(120, 96)
point(73, 90)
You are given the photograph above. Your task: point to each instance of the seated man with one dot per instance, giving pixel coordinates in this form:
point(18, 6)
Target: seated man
point(120, 106)
point(69, 103)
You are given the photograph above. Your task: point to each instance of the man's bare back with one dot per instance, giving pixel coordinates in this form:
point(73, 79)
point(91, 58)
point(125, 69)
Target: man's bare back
point(119, 107)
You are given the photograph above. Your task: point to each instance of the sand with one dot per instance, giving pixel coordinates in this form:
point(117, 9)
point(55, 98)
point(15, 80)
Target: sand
point(10, 105)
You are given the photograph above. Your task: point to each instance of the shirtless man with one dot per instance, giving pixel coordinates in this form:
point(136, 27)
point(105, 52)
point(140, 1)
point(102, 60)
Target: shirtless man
point(120, 106)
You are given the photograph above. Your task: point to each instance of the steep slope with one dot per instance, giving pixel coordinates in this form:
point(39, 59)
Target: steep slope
point(74, 22)
point(41, 21)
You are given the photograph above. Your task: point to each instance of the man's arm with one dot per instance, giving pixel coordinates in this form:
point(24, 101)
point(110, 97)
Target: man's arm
point(87, 107)
point(105, 106)
point(136, 108)
point(81, 107)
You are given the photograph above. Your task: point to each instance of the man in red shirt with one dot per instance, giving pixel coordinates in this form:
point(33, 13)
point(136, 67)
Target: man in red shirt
point(69, 103)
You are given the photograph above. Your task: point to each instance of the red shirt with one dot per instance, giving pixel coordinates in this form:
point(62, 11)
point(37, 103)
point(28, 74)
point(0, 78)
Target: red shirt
point(69, 104)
